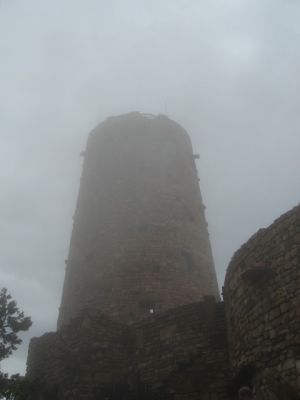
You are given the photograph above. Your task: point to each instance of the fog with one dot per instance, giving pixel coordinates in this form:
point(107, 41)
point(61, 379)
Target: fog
point(227, 71)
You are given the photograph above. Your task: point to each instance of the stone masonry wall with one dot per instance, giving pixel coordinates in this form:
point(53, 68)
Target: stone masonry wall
point(87, 359)
point(140, 239)
point(180, 354)
point(262, 297)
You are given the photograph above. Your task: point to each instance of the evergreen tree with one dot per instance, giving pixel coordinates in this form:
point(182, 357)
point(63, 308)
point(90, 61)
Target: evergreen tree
point(12, 321)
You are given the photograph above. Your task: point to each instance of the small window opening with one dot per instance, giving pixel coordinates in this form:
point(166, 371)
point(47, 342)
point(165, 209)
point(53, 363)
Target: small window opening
point(149, 307)
point(257, 273)
point(188, 261)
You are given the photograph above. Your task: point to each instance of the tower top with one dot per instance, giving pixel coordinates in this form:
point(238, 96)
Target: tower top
point(140, 124)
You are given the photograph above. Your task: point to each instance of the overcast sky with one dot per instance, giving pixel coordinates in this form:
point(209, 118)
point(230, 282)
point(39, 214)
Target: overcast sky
point(227, 70)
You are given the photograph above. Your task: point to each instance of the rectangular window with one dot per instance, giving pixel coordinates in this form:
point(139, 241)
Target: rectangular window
point(188, 261)
point(149, 306)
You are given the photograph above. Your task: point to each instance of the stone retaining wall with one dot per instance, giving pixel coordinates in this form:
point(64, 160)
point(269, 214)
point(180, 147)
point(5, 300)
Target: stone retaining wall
point(262, 297)
point(85, 359)
point(179, 354)
point(184, 352)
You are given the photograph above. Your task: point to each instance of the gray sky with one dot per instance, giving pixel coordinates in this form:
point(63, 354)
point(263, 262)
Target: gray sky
point(227, 70)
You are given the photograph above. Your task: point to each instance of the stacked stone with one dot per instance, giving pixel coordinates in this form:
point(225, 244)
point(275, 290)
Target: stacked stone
point(181, 352)
point(139, 251)
point(140, 242)
point(262, 297)
point(90, 357)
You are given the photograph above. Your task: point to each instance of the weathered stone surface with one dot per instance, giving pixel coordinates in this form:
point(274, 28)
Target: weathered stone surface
point(262, 313)
point(139, 317)
point(136, 359)
point(140, 239)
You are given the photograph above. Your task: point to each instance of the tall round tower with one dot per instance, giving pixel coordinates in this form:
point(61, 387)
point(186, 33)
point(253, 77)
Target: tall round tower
point(140, 243)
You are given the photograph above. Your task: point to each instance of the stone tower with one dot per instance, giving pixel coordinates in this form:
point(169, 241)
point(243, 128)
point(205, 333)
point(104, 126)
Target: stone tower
point(140, 243)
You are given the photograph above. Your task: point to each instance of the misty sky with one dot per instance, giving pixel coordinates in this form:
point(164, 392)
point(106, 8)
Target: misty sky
point(227, 70)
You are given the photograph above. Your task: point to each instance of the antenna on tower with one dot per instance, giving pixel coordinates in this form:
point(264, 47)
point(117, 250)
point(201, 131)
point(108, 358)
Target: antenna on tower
point(166, 109)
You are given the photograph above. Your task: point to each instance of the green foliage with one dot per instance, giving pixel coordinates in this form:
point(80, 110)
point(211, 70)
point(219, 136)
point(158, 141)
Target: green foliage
point(15, 387)
point(12, 321)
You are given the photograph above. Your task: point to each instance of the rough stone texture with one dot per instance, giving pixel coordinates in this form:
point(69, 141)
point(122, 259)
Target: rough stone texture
point(262, 297)
point(139, 317)
point(182, 354)
point(140, 239)
point(84, 360)
point(178, 354)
